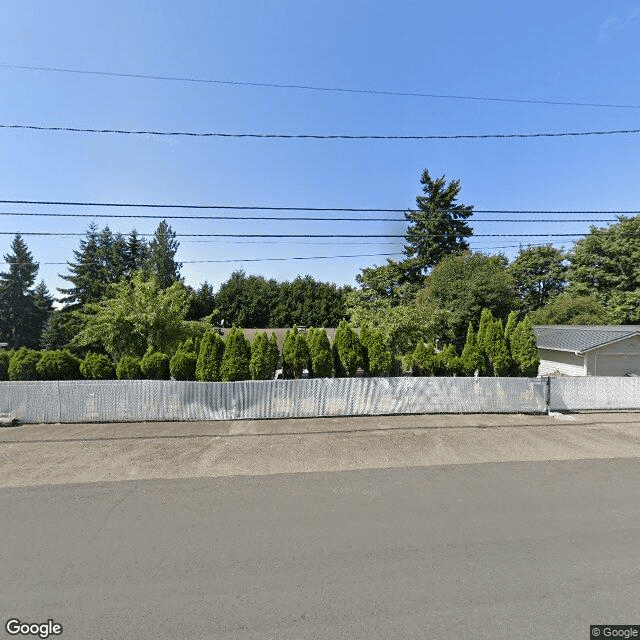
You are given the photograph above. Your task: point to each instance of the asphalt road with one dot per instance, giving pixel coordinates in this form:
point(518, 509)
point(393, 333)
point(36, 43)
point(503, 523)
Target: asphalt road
point(526, 550)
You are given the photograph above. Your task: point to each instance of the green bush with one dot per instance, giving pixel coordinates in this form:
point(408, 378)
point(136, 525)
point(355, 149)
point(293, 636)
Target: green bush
point(320, 353)
point(210, 357)
point(236, 358)
point(447, 362)
point(96, 366)
point(524, 348)
point(57, 365)
point(5, 357)
point(471, 359)
point(183, 365)
point(295, 354)
point(155, 365)
point(262, 364)
point(22, 365)
point(425, 360)
point(348, 349)
point(274, 352)
point(129, 369)
point(380, 358)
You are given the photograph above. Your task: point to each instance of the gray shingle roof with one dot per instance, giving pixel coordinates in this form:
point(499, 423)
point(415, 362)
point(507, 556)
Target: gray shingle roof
point(581, 337)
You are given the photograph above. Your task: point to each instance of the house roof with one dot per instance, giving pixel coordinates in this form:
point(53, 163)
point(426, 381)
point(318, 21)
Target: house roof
point(249, 333)
point(578, 338)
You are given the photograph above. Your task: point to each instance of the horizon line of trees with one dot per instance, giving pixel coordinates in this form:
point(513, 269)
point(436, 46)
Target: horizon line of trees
point(431, 295)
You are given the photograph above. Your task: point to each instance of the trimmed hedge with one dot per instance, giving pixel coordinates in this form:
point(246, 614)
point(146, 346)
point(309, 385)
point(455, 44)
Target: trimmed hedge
point(236, 358)
point(96, 366)
point(155, 365)
point(5, 357)
point(58, 364)
point(22, 365)
point(129, 369)
point(183, 365)
point(210, 357)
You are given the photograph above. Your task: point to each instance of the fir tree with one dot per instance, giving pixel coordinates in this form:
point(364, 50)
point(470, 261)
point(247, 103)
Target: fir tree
point(162, 251)
point(438, 227)
point(19, 314)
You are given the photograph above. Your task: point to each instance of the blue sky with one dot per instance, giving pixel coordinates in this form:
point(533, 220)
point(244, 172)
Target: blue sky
point(564, 51)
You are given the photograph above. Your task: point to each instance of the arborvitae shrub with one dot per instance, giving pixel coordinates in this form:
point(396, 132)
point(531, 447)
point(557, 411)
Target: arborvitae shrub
point(496, 349)
point(182, 365)
point(155, 365)
point(471, 359)
point(512, 321)
point(274, 352)
point(58, 365)
point(425, 360)
point(210, 357)
point(236, 358)
point(380, 357)
point(129, 369)
point(295, 354)
point(524, 348)
point(22, 365)
point(5, 357)
point(366, 336)
point(96, 366)
point(261, 363)
point(320, 354)
point(447, 362)
point(348, 348)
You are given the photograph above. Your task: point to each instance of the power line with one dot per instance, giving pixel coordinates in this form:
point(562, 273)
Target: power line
point(281, 219)
point(153, 205)
point(310, 235)
point(313, 136)
point(361, 255)
point(305, 87)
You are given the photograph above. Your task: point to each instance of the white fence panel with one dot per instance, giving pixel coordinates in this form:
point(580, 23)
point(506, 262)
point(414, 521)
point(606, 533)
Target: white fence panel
point(149, 400)
point(594, 393)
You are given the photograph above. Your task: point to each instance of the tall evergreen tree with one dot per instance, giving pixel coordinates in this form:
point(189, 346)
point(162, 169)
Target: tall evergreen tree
point(84, 273)
point(162, 251)
point(135, 253)
point(43, 302)
point(18, 311)
point(438, 228)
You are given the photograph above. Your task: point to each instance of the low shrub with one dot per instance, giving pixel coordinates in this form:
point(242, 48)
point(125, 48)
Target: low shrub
point(5, 357)
point(58, 364)
point(96, 366)
point(129, 369)
point(22, 365)
point(155, 365)
point(183, 365)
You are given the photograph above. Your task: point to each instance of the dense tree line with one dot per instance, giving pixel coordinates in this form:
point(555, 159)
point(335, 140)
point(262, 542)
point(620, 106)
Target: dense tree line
point(126, 296)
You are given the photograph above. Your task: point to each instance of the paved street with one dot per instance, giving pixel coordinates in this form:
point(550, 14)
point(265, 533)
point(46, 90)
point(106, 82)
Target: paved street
point(512, 549)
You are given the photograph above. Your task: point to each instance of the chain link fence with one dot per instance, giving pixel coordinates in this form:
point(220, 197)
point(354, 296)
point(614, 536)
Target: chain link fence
point(153, 400)
point(594, 393)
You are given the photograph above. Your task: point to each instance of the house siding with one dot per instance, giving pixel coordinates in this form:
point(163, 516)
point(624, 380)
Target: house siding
point(617, 359)
point(562, 363)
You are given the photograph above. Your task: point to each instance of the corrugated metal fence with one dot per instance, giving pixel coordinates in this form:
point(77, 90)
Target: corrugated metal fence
point(147, 400)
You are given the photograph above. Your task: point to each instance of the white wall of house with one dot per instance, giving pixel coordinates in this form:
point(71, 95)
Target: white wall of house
point(564, 363)
point(616, 359)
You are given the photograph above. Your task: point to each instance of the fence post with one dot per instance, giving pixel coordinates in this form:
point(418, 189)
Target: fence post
point(547, 395)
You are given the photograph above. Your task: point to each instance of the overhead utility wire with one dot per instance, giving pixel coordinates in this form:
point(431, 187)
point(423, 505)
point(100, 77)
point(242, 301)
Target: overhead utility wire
point(151, 205)
point(360, 255)
point(306, 87)
point(311, 235)
point(281, 219)
point(314, 136)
